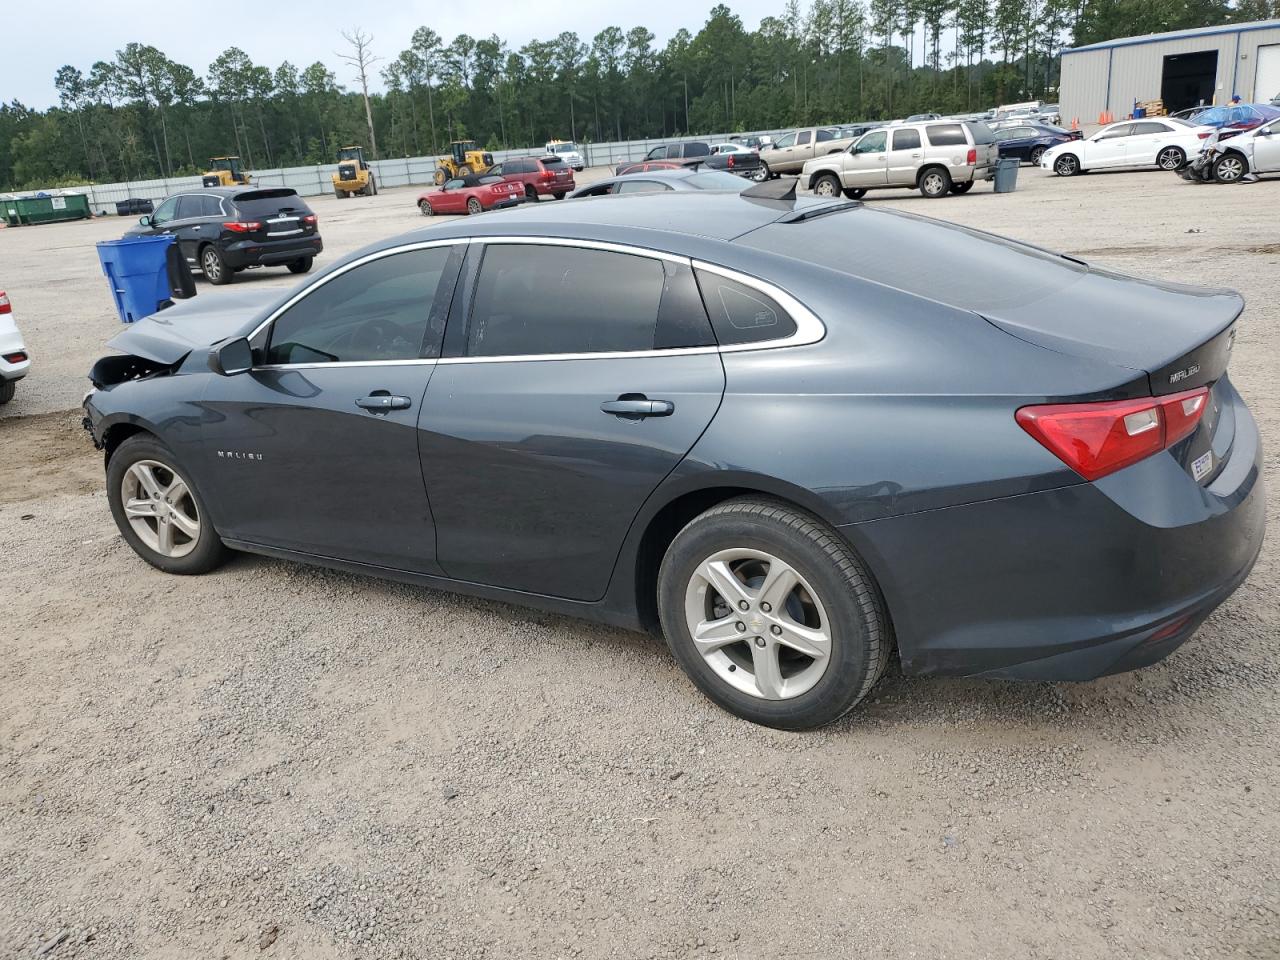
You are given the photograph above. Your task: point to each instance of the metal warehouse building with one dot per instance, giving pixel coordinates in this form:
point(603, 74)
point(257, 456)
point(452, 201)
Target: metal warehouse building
point(1182, 68)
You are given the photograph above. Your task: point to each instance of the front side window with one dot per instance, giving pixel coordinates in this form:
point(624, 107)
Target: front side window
point(785, 141)
point(742, 314)
point(537, 300)
point(499, 169)
point(872, 143)
point(455, 184)
point(657, 153)
point(379, 310)
point(906, 139)
point(166, 211)
point(1123, 130)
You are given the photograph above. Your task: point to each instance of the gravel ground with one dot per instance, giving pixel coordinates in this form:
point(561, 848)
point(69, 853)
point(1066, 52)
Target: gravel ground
point(278, 760)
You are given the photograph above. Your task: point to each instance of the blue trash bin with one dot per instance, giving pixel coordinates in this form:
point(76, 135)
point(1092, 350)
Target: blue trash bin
point(137, 271)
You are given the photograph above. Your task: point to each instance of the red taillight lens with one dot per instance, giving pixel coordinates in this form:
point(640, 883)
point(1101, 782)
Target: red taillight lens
point(730, 160)
point(15, 357)
point(242, 226)
point(547, 175)
point(972, 158)
point(310, 218)
point(1205, 136)
point(4, 303)
point(1095, 439)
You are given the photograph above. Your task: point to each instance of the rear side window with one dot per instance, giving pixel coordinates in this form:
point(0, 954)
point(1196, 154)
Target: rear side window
point(210, 206)
point(260, 204)
point(1145, 128)
point(825, 135)
point(380, 310)
point(742, 314)
point(188, 207)
point(945, 134)
point(673, 152)
point(537, 300)
point(906, 139)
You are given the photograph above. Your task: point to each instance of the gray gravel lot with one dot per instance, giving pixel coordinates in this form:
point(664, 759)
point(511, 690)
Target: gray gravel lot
point(282, 761)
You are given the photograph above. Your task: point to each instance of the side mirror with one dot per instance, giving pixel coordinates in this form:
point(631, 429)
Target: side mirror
point(230, 357)
point(145, 219)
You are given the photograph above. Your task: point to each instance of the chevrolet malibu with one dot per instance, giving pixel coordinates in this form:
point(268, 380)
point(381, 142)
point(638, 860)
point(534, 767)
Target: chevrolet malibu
point(754, 424)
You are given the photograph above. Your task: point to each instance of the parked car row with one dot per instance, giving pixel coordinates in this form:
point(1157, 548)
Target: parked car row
point(1162, 142)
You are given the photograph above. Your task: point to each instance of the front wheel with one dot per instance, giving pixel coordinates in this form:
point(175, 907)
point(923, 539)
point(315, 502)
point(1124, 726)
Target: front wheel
point(962, 187)
point(530, 194)
point(1171, 158)
point(855, 193)
point(301, 265)
point(1229, 168)
point(827, 185)
point(159, 512)
point(771, 614)
point(215, 267)
point(1066, 165)
point(1036, 154)
point(760, 175)
point(474, 206)
point(935, 182)
point(440, 176)
point(425, 208)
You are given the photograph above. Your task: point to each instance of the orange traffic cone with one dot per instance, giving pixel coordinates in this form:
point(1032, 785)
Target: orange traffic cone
point(1075, 123)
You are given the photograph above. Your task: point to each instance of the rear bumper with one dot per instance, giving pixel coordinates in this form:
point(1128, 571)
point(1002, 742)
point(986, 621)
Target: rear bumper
point(544, 189)
point(1073, 583)
point(253, 253)
point(503, 204)
point(11, 343)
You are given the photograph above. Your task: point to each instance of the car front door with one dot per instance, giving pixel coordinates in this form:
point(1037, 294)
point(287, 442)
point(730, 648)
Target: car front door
point(569, 402)
point(452, 197)
point(162, 218)
point(865, 163)
point(1107, 148)
point(1266, 149)
point(188, 227)
point(315, 450)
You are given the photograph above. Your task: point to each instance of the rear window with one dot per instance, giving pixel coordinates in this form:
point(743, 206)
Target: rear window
point(715, 180)
point(980, 132)
point(946, 134)
point(255, 203)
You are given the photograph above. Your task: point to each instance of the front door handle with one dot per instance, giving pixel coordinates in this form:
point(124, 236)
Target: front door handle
point(382, 402)
point(634, 406)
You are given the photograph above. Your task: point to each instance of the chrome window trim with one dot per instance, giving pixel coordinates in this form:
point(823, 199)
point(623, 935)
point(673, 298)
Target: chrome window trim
point(809, 328)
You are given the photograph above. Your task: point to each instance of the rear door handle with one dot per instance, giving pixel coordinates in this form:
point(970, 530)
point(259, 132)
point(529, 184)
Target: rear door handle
point(635, 407)
point(382, 402)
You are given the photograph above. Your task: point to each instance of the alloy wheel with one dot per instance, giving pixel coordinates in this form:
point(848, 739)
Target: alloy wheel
point(1066, 165)
point(160, 508)
point(760, 175)
point(934, 184)
point(211, 265)
point(1170, 159)
point(758, 624)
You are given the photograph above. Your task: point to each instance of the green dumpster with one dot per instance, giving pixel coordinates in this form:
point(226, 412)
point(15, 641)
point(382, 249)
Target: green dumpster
point(73, 206)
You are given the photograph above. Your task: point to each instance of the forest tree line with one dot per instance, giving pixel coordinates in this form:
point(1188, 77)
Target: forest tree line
point(142, 115)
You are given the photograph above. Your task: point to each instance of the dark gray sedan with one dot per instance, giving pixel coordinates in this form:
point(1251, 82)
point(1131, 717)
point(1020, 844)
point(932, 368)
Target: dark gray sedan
point(662, 181)
point(793, 436)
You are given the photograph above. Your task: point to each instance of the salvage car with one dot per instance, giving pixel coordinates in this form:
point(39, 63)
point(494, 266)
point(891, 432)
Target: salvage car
point(222, 231)
point(15, 362)
point(472, 194)
point(1254, 151)
point(749, 422)
point(1131, 144)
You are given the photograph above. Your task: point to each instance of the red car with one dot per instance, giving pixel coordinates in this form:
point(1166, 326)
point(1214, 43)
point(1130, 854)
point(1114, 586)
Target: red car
point(538, 175)
point(471, 194)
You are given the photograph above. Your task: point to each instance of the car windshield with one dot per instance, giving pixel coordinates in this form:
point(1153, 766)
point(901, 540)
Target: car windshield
point(564, 148)
point(715, 180)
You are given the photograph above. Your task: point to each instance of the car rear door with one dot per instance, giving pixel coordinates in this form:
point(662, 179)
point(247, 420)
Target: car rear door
point(1144, 141)
point(1266, 148)
point(315, 450)
point(579, 376)
point(1107, 149)
point(903, 159)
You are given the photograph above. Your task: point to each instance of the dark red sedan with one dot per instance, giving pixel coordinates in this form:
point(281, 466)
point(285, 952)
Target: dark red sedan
point(472, 194)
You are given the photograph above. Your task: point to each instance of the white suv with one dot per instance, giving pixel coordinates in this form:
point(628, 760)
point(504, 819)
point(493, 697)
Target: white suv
point(14, 361)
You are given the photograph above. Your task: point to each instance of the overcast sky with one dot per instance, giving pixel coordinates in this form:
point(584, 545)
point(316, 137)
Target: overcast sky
point(38, 39)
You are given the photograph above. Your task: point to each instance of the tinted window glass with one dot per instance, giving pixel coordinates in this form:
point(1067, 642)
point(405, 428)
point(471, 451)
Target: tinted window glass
point(188, 207)
point(716, 180)
point(642, 186)
point(541, 300)
point(906, 139)
point(945, 134)
point(673, 152)
point(682, 319)
point(210, 206)
point(742, 314)
point(166, 211)
point(1145, 129)
point(1123, 130)
point(549, 163)
point(376, 311)
point(697, 150)
point(803, 138)
point(980, 132)
point(825, 135)
point(872, 143)
point(259, 204)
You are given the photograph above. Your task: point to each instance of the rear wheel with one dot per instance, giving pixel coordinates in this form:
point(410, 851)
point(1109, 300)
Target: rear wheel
point(159, 512)
point(474, 206)
point(338, 193)
point(301, 265)
point(530, 193)
point(373, 187)
point(1171, 158)
point(215, 266)
point(558, 196)
point(761, 175)
point(425, 208)
point(1066, 165)
point(827, 185)
point(1036, 154)
point(1230, 167)
point(935, 182)
point(855, 193)
point(962, 187)
point(772, 615)
point(7, 390)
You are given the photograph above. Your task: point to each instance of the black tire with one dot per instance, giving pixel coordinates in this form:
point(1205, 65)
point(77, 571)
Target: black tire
point(474, 206)
point(1066, 165)
point(214, 266)
point(761, 175)
point(338, 193)
point(961, 187)
point(440, 176)
point(1230, 167)
point(7, 390)
point(425, 208)
point(530, 193)
point(861, 640)
point(209, 551)
point(855, 193)
point(558, 196)
point(827, 185)
point(301, 265)
point(934, 182)
point(463, 171)
point(373, 186)
point(1171, 158)
point(1036, 154)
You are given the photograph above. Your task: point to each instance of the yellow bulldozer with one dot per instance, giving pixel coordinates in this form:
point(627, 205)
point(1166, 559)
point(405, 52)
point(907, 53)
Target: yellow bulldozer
point(462, 160)
point(225, 172)
point(353, 176)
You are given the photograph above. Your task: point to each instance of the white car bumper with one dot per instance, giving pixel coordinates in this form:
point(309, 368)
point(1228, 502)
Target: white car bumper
point(11, 345)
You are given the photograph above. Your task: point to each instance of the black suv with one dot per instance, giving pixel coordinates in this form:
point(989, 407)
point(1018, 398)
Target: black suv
point(223, 230)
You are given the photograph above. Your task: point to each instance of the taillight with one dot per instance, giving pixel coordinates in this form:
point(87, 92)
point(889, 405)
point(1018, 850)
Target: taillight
point(310, 218)
point(972, 158)
point(15, 357)
point(730, 160)
point(4, 303)
point(242, 226)
point(1205, 136)
point(1095, 439)
point(547, 175)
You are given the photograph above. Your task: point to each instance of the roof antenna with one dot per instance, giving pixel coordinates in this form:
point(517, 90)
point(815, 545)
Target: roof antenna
point(784, 188)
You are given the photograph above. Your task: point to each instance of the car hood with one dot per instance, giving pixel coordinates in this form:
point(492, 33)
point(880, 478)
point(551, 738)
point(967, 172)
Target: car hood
point(168, 336)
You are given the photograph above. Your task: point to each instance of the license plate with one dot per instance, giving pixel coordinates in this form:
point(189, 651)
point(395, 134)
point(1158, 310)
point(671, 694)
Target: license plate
point(1202, 466)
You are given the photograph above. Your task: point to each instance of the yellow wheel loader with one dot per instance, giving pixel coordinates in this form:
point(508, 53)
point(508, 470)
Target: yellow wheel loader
point(354, 175)
point(462, 160)
point(225, 172)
